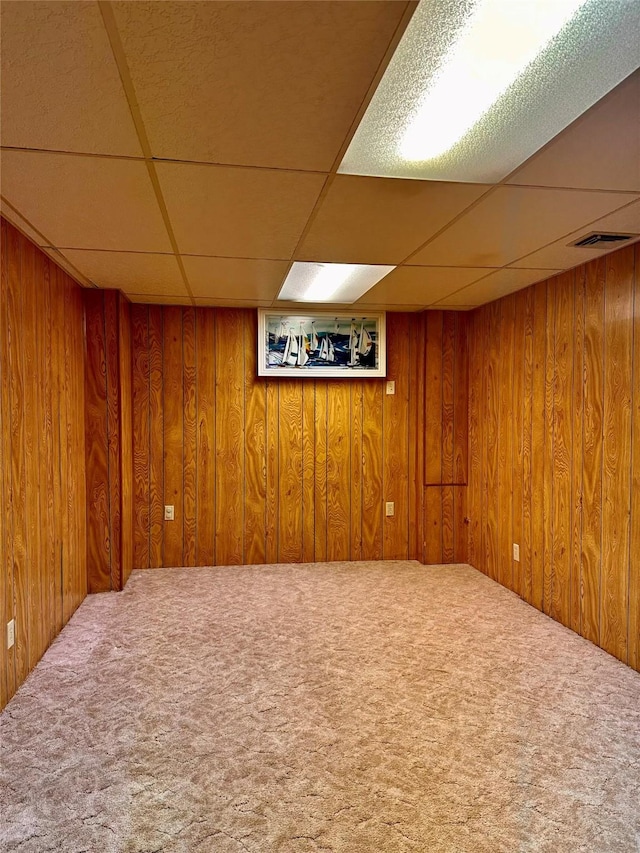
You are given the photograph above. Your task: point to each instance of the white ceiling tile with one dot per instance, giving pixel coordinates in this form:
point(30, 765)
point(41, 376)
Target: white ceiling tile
point(514, 221)
point(494, 286)
point(560, 255)
point(234, 278)
point(85, 202)
point(420, 286)
point(132, 272)
point(601, 150)
point(381, 220)
point(60, 83)
point(253, 83)
point(236, 212)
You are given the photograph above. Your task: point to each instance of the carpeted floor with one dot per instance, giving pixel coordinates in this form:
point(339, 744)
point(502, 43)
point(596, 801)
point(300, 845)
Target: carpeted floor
point(352, 708)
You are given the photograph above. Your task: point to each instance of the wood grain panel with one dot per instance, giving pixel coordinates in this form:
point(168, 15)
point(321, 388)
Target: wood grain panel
point(577, 349)
point(205, 437)
point(290, 472)
point(189, 435)
point(126, 438)
point(517, 440)
point(355, 506)
point(433, 548)
point(491, 439)
point(140, 437)
point(461, 401)
point(308, 471)
point(338, 471)
point(173, 433)
point(113, 435)
point(417, 356)
point(505, 443)
point(592, 434)
point(634, 543)
point(372, 494)
point(229, 341)
point(476, 373)
point(616, 474)
point(576, 341)
point(255, 449)
point(433, 399)
point(448, 369)
point(97, 464)
point(42, 453)
point(156, 438)
point(321, 455)
point(396, 439)
point(560, 569)
point(273, 486)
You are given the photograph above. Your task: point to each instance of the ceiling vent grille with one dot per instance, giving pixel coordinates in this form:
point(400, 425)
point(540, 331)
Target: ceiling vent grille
point(598, 240)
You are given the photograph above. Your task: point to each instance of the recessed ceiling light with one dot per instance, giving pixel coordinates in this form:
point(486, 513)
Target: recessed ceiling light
point(475, 87)
point(340, 283)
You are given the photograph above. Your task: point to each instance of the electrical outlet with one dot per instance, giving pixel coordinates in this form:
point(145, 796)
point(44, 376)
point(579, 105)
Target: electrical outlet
point(391, 386)
point(11, 633)
point(516, 552)
point(168, 513)
point(390, 508)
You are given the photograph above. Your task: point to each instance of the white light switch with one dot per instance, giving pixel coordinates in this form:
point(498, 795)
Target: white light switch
point(516, 552)
point(390, 508)
point(11, 633)
point(391, 386)
point(168, 513)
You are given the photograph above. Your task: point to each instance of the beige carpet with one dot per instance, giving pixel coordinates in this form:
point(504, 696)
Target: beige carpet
point(335, 707)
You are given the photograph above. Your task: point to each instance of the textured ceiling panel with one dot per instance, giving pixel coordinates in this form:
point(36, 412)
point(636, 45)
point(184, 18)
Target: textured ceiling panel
point(60, 84)
point(234, 278)
point(513, 222)
point(420, 286)
point(99, 203)
point(599, 151)
point(159, 299)
point(495, 285)
point(130, 271)
point(381, 220)
point(253, 83)
point(235, 212)
point(559, 255)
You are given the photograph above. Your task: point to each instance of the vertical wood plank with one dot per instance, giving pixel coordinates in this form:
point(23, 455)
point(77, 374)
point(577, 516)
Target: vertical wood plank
point(526, 547)
point(549, 437)
point(338, 472)
point(560, 604)
point(395, 438)
point(113, 435)
point(447, 384)
point(156, 437)
point(308, 471)
point(433, 398)
point(97, 465)
point(577, 345)
point(126, 438)
point(321, 439)
point(505, 442)
point(448, 523)
point(255, 449)
point(205, 439)
point(539, 450)
point(433, 549)
point(189, 436)
point(491, 440)
point(417, 355)
point(290, 472)
point(229, 436)
point(476, 421)
point(618, 331)
point(273, 486)
point(173, 436)
point(461, 401)
point(140, 416)
point(634, 542)
point(593, 426)
point(372, 494)
point(355, 420)
point(517, 440)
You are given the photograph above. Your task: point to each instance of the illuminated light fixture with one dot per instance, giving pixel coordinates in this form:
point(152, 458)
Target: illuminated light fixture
point(338, 283)
point(475, 87)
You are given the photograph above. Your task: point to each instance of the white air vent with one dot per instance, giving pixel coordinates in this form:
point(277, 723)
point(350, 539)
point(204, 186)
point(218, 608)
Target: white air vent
point(598, 240)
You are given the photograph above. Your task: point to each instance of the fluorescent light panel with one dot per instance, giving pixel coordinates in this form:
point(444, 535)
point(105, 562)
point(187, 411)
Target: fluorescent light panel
point(477, 86)
point(336, 283)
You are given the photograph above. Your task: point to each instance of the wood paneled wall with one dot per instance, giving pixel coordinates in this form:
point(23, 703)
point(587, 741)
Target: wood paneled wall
point(42, 454)
point(554, 438)
point(269, 470)
point(108, 420)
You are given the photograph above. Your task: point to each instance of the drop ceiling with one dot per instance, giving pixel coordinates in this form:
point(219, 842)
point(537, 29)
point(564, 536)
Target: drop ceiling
point(187, 153)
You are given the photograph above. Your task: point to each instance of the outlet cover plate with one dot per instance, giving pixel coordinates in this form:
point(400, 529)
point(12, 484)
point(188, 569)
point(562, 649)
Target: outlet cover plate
point(391, 386)
point(11, 633)
point(168, 513)
point(516, 552)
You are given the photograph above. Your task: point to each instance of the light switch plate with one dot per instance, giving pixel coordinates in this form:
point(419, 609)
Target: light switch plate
point(391, 386)
point(516, 552)
point(11, 633)
point(168, 513)
point(390, 508)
